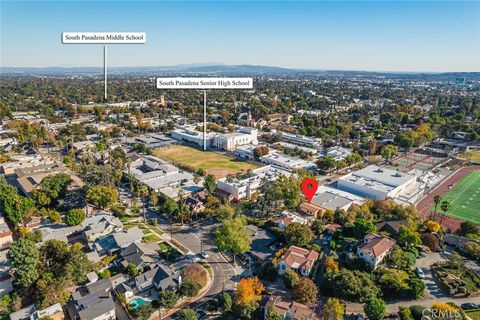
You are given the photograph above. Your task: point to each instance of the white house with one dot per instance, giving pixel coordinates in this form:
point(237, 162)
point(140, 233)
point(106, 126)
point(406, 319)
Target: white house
point(374, 249)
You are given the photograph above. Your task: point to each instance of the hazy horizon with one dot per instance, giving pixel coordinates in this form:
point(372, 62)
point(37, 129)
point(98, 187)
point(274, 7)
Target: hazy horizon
point(166, 67)
point(381, 36)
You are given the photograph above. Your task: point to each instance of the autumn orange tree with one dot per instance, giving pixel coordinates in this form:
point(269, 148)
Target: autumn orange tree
point(331, 265)
point(249, 291)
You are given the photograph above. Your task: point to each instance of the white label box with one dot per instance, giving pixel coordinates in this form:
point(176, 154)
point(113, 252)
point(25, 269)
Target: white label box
point(204, 83)
point(104, 37)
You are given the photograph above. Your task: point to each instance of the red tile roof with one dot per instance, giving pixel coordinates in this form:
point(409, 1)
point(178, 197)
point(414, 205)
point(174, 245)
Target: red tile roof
point(377, 245)
point(297, 257)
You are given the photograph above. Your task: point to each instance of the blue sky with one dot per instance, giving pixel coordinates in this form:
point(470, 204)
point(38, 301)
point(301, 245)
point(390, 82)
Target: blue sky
point(342, 35)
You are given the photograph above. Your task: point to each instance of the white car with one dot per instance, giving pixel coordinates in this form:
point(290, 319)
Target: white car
point(420, 273)
point(193, 258)
point(204, 255)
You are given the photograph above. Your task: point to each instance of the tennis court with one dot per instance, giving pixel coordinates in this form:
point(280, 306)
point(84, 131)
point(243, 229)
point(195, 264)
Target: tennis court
point(417, 161)
point(464, 198)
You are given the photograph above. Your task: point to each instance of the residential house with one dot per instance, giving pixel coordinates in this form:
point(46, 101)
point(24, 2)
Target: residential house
point(299, 259)
point(117, 240)
point(195, 204)
point(331, 228)
point(312, 210)
point(5, 234)
point(262, 241)
point(103, 225)
point(291, 310)
point(391, 227)
point(6, 285)
point(94, 301)
point(159, 277)
point(139, 254)
point(54, 312)
point(374, 249)
point(288, 218)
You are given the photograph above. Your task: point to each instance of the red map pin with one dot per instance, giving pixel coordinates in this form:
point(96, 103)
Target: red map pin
point(309, 187)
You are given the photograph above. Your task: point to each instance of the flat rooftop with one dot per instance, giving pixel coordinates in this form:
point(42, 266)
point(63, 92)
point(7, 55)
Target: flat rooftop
point(269, 172)
point(378, 175)
point(331, 198)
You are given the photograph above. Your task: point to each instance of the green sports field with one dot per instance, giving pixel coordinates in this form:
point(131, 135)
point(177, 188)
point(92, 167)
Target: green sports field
point(464, 198)
point(207, 160)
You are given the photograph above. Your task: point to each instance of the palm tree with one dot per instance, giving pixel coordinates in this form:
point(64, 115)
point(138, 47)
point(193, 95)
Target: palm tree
point(444, 206)
point(142, 192)
point(437, 199)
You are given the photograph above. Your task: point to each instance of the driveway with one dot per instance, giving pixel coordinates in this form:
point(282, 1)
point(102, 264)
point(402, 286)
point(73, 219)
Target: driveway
point(433, 289)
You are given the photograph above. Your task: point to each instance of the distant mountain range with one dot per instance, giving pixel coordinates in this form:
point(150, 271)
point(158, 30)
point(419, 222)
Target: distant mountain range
point(181, 68)
point(222, 69)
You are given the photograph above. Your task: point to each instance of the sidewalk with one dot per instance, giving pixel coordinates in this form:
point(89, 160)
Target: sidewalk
point(393, 307)
point(187, 300)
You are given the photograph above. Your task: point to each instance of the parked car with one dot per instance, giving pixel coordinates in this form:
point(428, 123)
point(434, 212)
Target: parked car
point(420, 273)
point(204, 255)
point(469, 306)
point(193, 258)
point(423, 254)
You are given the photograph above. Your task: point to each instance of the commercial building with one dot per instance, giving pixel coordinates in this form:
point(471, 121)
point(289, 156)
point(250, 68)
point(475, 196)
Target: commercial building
point(292, 146)
point(246, 151)
point(298, 139)
point(287, 162)
point(29, 178)
point(160, 176)
point(338, 153)
point(376, 183)
point(229, 141)
point(221, 141)
point(245, 186)
point(332, 198)
point(190, 135)
point(152, 140)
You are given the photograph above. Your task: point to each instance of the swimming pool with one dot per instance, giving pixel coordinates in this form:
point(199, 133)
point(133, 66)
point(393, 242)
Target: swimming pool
point(137, 302)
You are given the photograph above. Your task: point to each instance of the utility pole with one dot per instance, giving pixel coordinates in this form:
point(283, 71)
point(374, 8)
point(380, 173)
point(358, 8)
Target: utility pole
point(204, 120)
point(105, 70)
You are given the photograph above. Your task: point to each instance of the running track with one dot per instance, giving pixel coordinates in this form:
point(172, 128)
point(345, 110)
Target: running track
point(424, 206)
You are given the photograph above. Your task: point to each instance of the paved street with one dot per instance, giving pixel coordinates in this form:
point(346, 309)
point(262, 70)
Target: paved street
point(199, 239)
